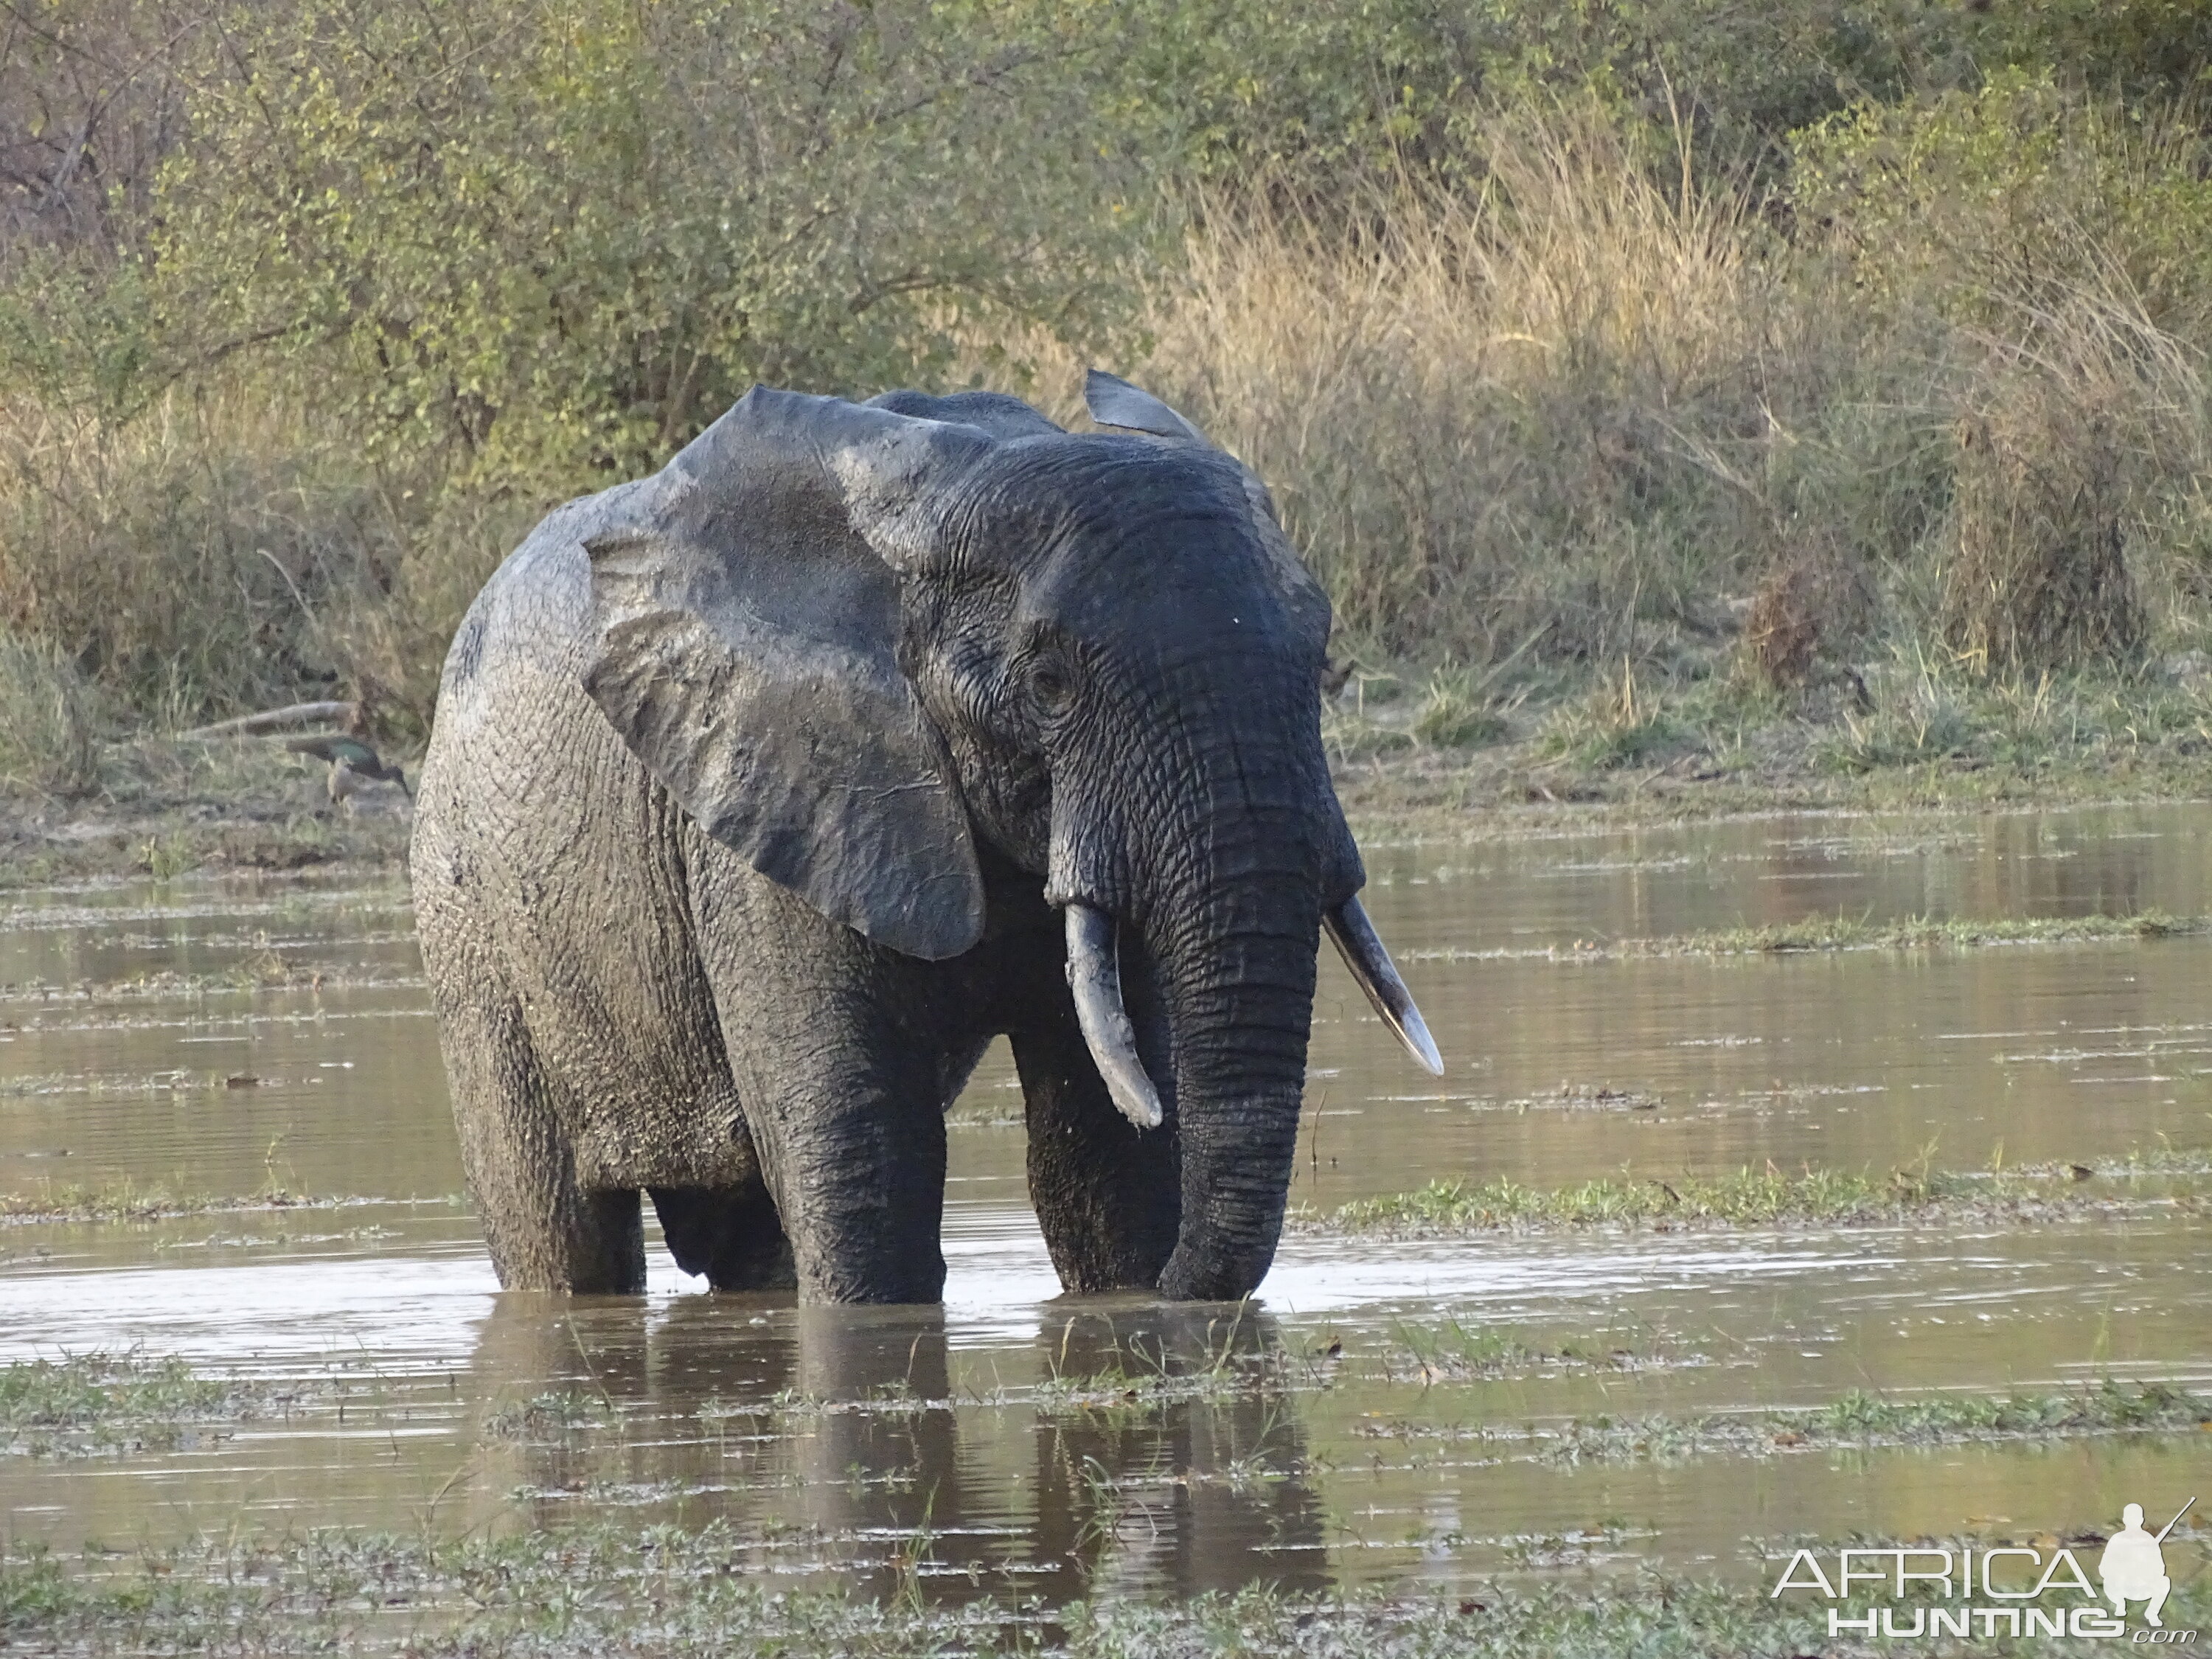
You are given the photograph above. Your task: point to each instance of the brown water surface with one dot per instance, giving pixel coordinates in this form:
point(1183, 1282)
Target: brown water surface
point(1068, 1445)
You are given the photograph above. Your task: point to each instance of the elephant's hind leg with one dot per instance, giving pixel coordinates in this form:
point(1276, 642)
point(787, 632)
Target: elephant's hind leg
point(730, 1234)
point(544, 1232)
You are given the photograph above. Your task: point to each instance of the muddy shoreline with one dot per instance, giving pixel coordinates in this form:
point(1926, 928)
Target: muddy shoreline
point(175, 807)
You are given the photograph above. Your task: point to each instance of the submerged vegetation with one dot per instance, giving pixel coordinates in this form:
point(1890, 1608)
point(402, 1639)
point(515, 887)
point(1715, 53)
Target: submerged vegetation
point(1771, 1197)
point(127, 1201)
point(1841, 933)
point(1858, 1419)
point(99, 1402)
point(618, 1591)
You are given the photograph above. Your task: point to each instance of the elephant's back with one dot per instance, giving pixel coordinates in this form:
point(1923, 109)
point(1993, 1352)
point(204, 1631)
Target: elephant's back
point(535, 613)
point(520, 761)
point(513, 725)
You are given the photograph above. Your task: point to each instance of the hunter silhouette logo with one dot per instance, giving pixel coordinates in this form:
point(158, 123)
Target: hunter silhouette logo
point(2133, 1566)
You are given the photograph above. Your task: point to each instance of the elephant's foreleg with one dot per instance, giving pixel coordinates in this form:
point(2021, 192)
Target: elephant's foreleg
point(1107, 1193)
point(840, 1053)
point(855, 1157)
point(730, 1234)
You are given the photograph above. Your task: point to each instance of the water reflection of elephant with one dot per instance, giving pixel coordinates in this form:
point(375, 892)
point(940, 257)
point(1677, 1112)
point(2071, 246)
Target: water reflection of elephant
point(840, 1435)
point(1190, 1476)
point(585, 1403)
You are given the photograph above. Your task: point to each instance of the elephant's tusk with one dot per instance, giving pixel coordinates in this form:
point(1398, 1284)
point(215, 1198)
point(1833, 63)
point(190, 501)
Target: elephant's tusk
point(1095, 975)
point(1361, 947)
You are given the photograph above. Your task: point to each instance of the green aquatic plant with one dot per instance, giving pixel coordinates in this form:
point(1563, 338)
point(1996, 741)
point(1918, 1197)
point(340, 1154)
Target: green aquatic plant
point(580, 1591)
point(95, 1402)
point(126, 1200)
point(1917, 933)
point(1843, 932)
point(1748, 1197)
point(1860, 1418)
point(1864, 1419)
point(1449, 1351)
point(554, 1414)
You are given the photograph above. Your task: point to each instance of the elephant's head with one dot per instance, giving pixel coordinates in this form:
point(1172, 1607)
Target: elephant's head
point(853, 642)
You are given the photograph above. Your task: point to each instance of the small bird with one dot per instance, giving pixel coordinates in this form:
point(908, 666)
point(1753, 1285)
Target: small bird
point(354, 765)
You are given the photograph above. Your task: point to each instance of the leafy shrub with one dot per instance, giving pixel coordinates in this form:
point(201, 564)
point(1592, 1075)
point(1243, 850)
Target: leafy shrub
point(550, 243)
point(2000, 205)
point(1554, 327)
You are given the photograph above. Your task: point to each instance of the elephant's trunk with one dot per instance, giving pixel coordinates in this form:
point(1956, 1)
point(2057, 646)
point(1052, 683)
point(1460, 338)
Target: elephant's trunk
point(1198, 885)
point(1235, 979)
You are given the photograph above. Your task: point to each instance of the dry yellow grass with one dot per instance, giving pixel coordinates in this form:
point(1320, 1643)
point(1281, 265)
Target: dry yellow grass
point(1593, 403)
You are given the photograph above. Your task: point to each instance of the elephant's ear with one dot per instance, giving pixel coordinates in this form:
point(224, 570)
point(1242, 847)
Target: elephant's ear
point(1112, 401)
point(746, 655)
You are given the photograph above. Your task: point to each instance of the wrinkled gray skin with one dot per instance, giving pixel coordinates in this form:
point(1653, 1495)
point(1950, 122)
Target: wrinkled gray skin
point(754, 789)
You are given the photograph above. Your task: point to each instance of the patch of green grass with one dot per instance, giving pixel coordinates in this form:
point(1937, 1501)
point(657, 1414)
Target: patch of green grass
point(607, 1590)
point(1450, 1353)
point(1458, 710)
point(1906, 933)
point(557, 1414)
point(1133, 1389)
point(125, 1200)
point(1616, 724)
point(1841, 933)
point(1858, 1419)
point(115, 1402)
point(1760, 1198)
point(265, 970)
point(1866, 1420)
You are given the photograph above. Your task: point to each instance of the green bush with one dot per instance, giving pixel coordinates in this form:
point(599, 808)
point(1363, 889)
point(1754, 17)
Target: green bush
point(1999, 204)
point(549, 243)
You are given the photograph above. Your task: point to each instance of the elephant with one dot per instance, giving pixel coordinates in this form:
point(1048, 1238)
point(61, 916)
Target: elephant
point(763, 791)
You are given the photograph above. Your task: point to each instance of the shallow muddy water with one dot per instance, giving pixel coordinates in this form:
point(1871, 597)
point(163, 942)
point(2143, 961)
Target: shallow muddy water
point(1064, 1445)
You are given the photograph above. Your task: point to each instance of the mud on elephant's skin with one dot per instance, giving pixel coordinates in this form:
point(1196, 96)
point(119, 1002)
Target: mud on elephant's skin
point(764, 790)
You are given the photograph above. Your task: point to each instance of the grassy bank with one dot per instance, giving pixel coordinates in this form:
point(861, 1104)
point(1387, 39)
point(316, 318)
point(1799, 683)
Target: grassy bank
point(1707, 751)
point(1775, 1198)
point(155, 806)
point(164, 807)
point(612, 1591)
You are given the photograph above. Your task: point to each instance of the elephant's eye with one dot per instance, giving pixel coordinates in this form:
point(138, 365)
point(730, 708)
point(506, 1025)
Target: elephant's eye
point(1052, 684)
